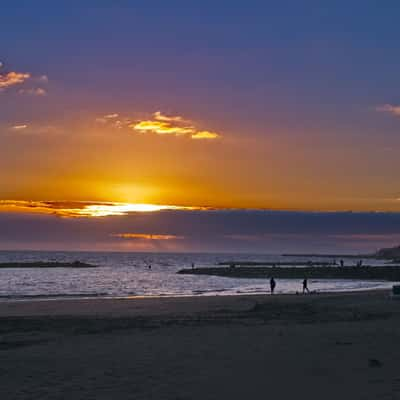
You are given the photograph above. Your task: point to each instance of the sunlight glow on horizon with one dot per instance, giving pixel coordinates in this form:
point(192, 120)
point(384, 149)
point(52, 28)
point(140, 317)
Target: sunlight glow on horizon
point(105, 210)
point(146, 236)
point(86, 209)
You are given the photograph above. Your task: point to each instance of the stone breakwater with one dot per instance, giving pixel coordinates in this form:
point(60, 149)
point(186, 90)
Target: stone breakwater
point(386, 273)
point(46, 264)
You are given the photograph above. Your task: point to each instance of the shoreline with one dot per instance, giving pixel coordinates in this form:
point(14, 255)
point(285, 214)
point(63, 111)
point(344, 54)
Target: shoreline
point(131, 305)
point(225, 293)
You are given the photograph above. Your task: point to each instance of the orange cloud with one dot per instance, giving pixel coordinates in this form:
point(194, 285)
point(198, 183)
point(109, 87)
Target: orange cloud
point(159, 124)
point(205, 135)
point(161, 127)
point(146, 236)
point(12, 78)
point(171, 125)
point(9, 79)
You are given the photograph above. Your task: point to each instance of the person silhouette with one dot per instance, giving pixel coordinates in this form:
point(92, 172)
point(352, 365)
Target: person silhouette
point(305, 287)
point(272, 285)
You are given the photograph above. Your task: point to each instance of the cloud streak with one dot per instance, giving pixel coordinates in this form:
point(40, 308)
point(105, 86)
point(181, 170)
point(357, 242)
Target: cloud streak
point(19, 127)
point(106, 118)
point(146, 236)
point(389, 108)
point(30, 128)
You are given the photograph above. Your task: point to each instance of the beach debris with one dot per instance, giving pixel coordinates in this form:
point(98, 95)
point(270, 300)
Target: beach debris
point(340, 343)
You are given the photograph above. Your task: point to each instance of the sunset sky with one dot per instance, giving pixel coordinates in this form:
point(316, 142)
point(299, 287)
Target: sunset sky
point(199, 126)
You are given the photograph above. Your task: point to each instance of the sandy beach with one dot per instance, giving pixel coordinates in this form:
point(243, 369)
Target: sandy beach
point(229, 347)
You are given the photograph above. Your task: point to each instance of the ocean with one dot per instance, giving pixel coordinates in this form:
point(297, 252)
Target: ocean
point(128, 275)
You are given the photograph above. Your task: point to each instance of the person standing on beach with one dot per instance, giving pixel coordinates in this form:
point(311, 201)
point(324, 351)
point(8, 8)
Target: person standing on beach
point(305, 287)
point(272, 285)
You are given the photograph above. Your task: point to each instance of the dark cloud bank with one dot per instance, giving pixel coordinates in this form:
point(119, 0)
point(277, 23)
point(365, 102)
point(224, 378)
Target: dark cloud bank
point(211, 230)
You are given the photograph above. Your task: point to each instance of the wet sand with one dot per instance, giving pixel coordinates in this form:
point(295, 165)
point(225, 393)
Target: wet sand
point(326, 346)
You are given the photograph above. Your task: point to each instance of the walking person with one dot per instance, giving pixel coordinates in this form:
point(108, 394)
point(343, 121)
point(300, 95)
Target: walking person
point(272, 285)
point(305, 286)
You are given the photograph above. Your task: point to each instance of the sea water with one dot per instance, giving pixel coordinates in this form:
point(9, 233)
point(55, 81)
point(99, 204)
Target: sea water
point(128, 274)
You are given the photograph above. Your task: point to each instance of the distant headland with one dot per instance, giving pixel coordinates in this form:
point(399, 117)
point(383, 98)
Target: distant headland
point(388, 253)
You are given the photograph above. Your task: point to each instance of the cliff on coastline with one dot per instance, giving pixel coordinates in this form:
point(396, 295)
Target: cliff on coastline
point(389, 253)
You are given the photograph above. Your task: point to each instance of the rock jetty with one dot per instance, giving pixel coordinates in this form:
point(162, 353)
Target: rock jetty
point(46, 264)
point(380, 273)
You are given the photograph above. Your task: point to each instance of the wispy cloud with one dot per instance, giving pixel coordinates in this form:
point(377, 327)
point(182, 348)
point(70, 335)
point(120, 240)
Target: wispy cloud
point(42, 79)
point(114, 120)
point(19, 127)
point(33, 92)
point(389, 108)
point(111, 116)
point(146, 236)
point(162, 117)
point(106, 118)
point(31, 128)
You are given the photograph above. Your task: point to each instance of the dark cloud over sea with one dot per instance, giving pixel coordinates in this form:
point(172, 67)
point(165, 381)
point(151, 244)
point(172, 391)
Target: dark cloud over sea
point(204, 230)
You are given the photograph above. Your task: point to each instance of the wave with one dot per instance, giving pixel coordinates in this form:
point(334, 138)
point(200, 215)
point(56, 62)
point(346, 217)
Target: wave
point(51, 296)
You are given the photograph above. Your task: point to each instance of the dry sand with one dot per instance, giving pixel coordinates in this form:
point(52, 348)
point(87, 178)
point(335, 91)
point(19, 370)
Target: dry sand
point(241, 347)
